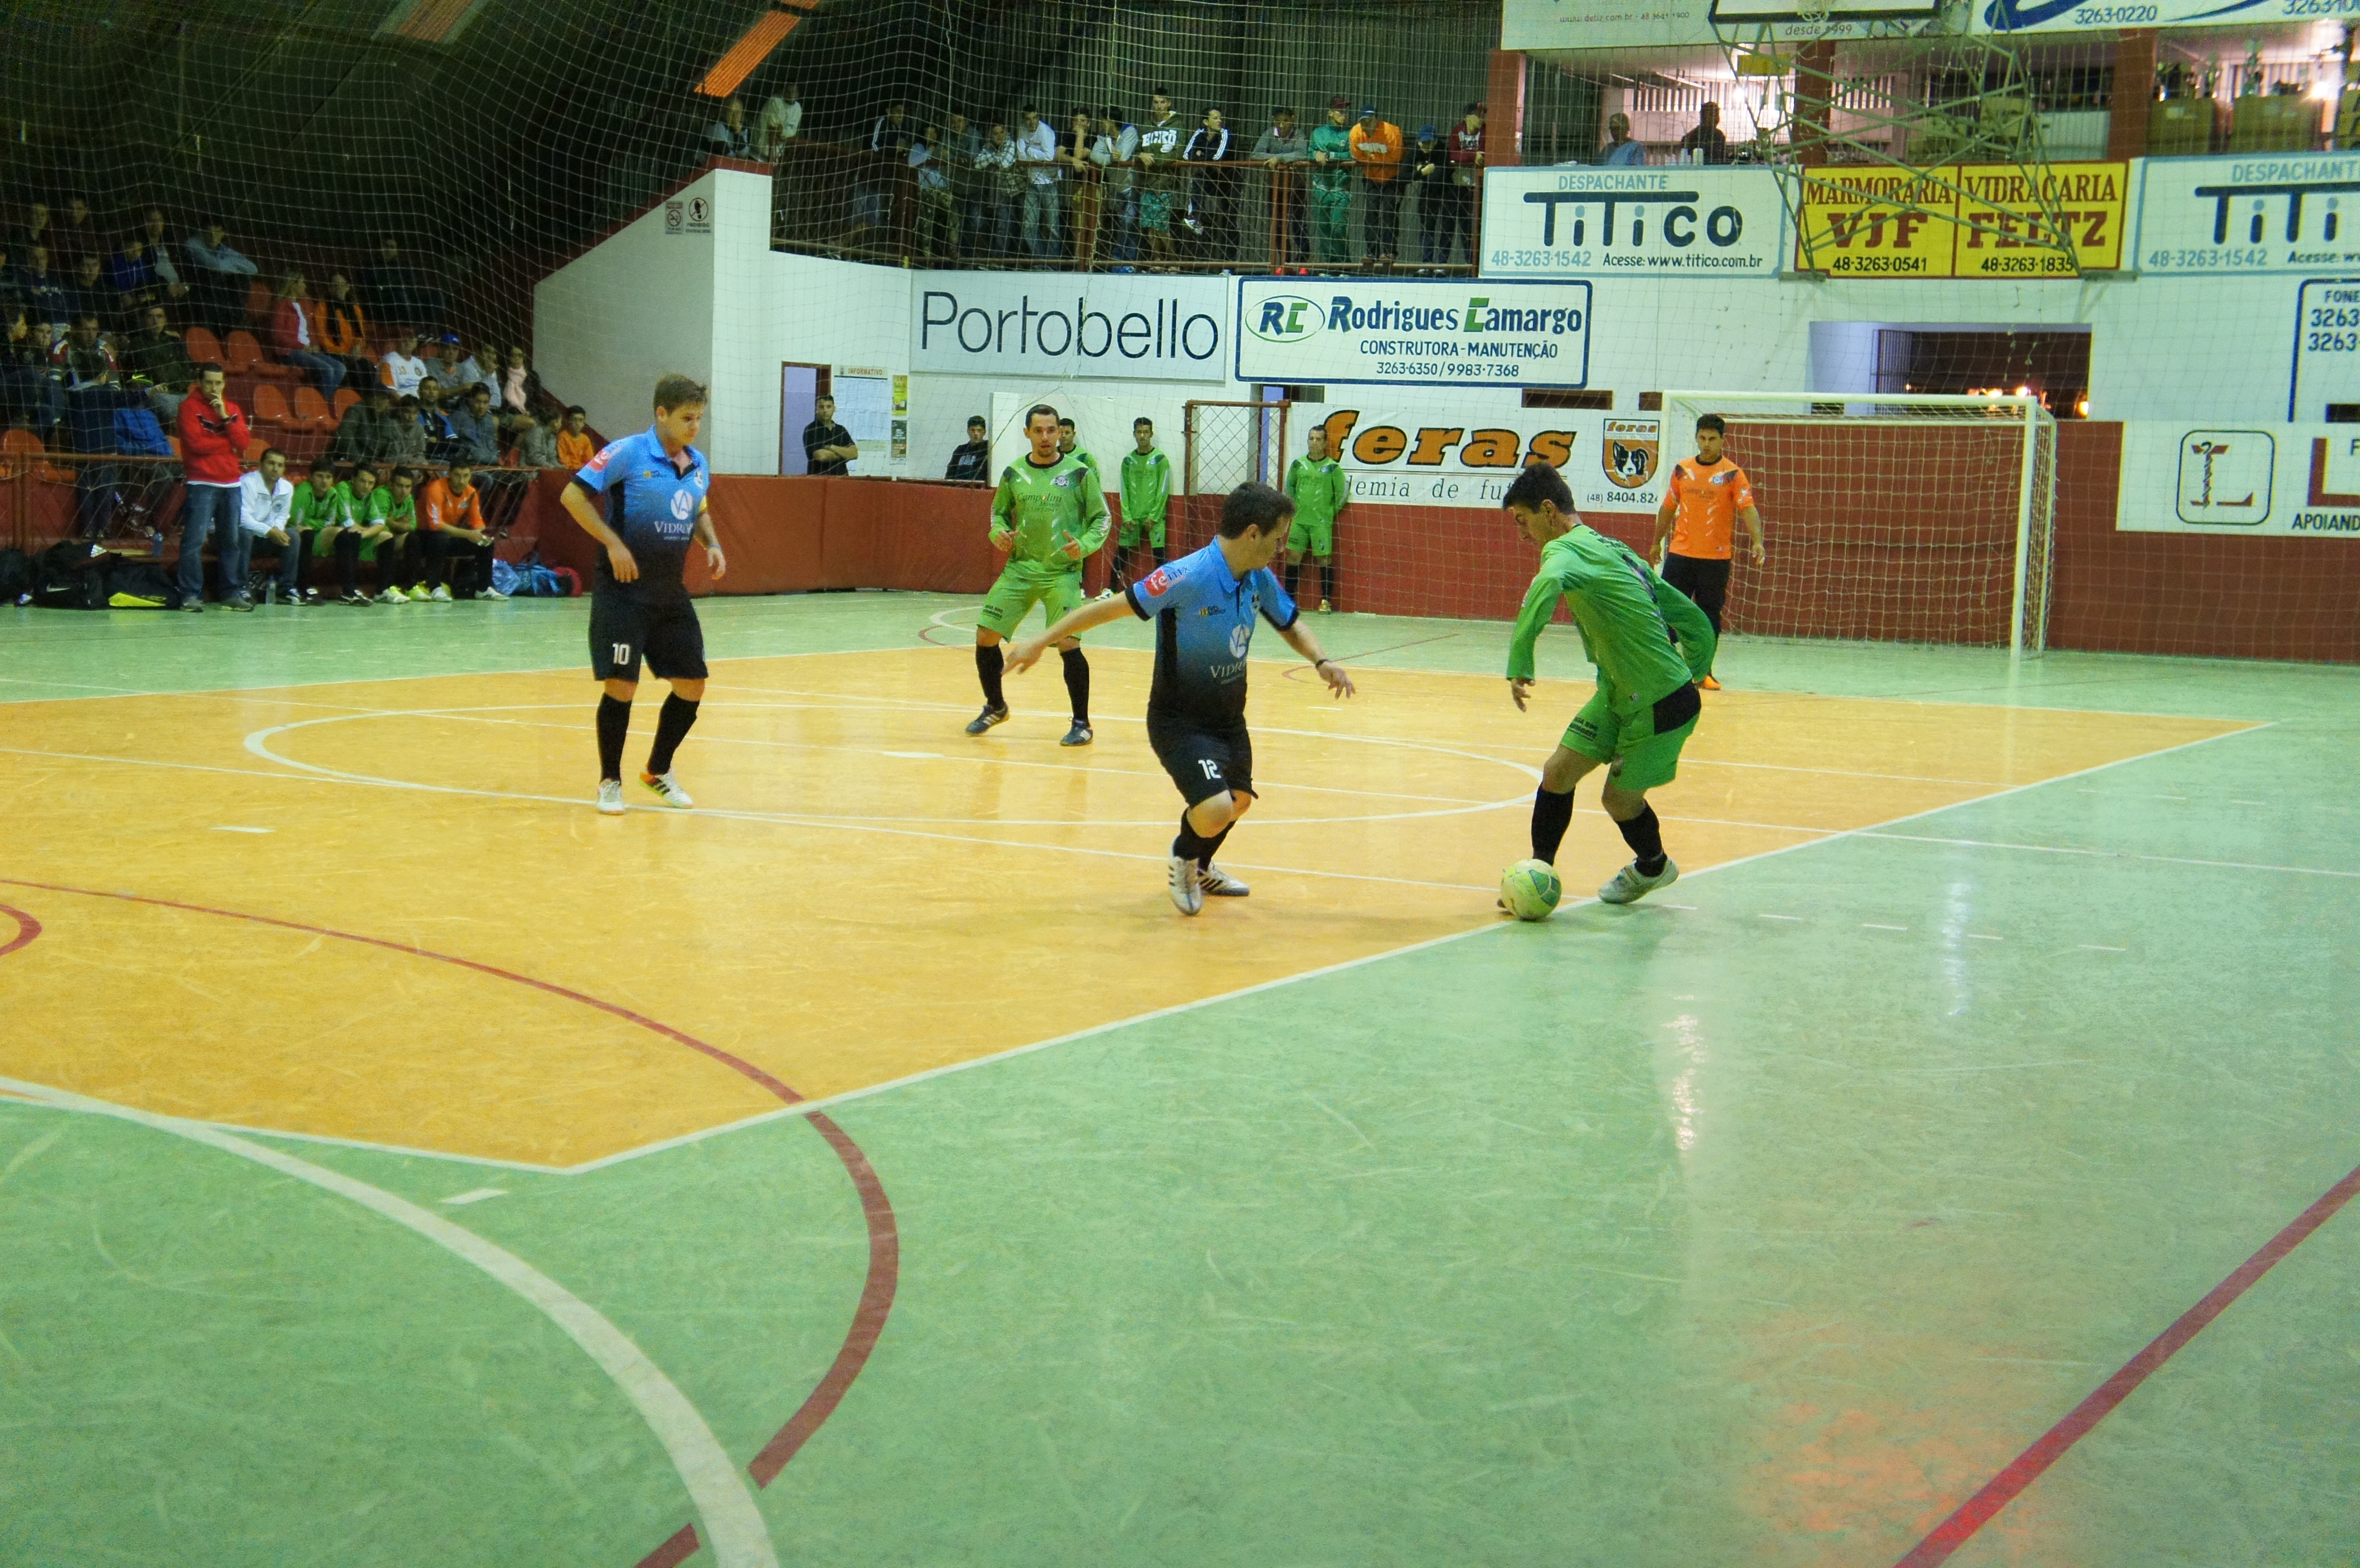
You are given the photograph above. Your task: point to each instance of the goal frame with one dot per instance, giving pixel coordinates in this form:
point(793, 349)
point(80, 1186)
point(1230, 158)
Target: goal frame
point(2026, 637)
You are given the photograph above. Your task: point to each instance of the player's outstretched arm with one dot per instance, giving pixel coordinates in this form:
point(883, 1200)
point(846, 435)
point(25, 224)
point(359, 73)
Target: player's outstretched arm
point(1023, 655)
point(1340, 681)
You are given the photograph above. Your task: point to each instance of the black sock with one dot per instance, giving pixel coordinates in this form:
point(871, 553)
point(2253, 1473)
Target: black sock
point(1212, 846)
point(672, 721)
point(1294, 576)
point(1327, 581)
point(1157, 551)
point(1190, 845)
point(614, 723)
point(348, 561)
point(1078, 684)
point(1644, 834)
point(988, 662)
point(1552, 814)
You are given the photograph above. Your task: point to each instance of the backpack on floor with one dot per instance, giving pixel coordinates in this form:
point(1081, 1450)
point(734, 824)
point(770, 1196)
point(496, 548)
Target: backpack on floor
point(506, 578)
point(138, 585)
point(71, 576)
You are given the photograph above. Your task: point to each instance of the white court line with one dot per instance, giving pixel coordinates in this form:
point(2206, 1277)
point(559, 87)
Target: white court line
point(732, 1525)
point(2110, 853)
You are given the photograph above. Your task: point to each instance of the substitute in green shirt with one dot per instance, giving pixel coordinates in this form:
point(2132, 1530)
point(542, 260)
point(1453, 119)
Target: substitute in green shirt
point(1320, 489)
point(1648, 643)
point(1146, 498)
point(1048, 516)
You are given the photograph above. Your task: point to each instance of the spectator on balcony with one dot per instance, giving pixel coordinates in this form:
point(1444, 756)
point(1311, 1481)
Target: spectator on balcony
point(217, 279)
point(399, 289)
point(1429, 175)
point(1706, 143)
point(1621, 152)
point(84, 364)
point(1215, 192)
point(131, 273)
point(1159, 175)
point(435, 423)
point(87, 292)
point(365, 433)
point(1331, 185)
point(1469, 145)
point(406, 437)
point(264, 500)
point(12, 295)
point(782, 122)
point(36, 230)
point(973, 461)
point(1000, 186)
point(574, 447)
point(29, 395)
point(1284, 151)
point(78, 236)
point(890, 141)
point(456, 536)
point(46, 303)
point(1036, 156)
point(1377, 148)
point(828, 447)
point(731, 135)
point(155, 242)
point(156, 362)
point(295, 340)
point(938, 213)
point(1114, 153)
point(536, 447)
point(521, 388)
point(478, 434)
point(343, 330)
point(213, 448)
point(457, 370)
point(404, 369)
point(1086, 198)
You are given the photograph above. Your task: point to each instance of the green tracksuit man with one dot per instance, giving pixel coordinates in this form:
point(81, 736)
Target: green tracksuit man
point(1331, 184)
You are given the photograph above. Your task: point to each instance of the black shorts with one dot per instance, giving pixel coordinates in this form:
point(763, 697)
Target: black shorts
point(1204, 760)
point(666, 633)
point(1706, 583)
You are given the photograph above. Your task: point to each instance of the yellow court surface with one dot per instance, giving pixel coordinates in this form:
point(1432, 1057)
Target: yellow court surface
point(383, 912)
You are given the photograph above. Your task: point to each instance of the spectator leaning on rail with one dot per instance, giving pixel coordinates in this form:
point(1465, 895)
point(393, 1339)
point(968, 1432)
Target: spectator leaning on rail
point(782, 122)
point(1621, 152)
point(1088, 197)
point(730, 137)
point(1331, 185)
point(1377, 148)
point(1114, 153)
point(1001, 187)
point(828, 447)
point(1036, 154)
point(296, 340)
point(1429, 174)
point(1215, 192)
point(1469, 146)
point(1159, 178)
point(1284, 151)
point(1706, 143)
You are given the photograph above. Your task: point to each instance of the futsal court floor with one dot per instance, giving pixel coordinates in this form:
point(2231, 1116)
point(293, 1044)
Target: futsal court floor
point(401, 1162)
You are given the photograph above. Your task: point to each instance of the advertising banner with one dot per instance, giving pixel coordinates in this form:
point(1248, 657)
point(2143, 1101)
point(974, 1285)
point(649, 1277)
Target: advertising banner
point(1648, 24)
point(2326, 347)
point(1960, 221)
point(1453, 333)
point(2079, 15)
point(2267, 481)
point(1400, 455)
point(2254, 214)
point(1713, 223)
point(1063, 325)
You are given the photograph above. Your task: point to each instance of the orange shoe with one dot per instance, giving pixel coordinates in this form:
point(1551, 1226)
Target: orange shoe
point(1708, 684)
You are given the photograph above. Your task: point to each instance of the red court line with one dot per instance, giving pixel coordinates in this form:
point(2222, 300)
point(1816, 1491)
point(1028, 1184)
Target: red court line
point(877, 1291)
point(2027, 1467)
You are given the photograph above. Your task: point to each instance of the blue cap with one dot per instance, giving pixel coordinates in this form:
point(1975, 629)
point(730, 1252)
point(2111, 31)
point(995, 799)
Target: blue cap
point(1367, 109)
point(1427, 133)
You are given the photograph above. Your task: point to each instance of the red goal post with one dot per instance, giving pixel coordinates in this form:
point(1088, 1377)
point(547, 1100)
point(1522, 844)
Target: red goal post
point(1890, 517)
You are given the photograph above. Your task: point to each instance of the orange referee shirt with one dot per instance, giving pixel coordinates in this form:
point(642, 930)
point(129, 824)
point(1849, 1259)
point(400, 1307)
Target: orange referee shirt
point(1711, 495)
point(439, 509)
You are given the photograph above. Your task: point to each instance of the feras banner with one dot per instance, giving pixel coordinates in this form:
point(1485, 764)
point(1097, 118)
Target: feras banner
point(1403, 456)
point(1976, 221)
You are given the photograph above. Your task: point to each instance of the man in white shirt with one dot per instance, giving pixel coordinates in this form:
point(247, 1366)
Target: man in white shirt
point(408, 369)
point(1115, 149)
point(782, 122)
point(1036, 150)
point(264, 497)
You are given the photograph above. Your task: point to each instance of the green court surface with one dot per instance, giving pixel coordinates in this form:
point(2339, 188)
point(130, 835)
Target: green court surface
point(1763, 1222)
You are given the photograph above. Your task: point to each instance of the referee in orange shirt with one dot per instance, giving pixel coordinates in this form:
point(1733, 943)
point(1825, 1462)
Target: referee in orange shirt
point(1704, 497)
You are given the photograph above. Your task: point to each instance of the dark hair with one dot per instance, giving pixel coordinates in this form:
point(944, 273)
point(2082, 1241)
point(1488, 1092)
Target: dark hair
point(424, 379)
point(1535, 484)
point(974, 420)
point(458, 462)
point(1252, 505)
point(1036, 411)
point(1142, 420)
point(408, 400)
point(1282, 113)
point(268, 454)
point(367, 468)
point(81, 316)
point(476, 389)
point(674, 390)
point(1713, 422)
point(210, 367)
point(1159, 92)
point(577, 409)
point(1065, 422)
point(1028, 109)
point(1112, 113)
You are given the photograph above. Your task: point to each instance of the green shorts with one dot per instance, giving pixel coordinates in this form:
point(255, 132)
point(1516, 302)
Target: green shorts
point(1023, 584)
point(1156, 209)
point(1319, 539)
point(1129, 534)
point(1639, 754)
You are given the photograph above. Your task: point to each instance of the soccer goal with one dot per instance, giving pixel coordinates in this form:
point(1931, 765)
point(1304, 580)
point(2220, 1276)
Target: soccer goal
point(1227, 445)
point(1890, 517)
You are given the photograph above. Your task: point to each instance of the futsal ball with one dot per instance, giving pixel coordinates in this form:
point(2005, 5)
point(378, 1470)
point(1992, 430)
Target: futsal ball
point(1530, 889)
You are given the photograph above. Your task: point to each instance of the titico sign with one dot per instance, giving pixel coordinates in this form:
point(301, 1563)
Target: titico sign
point(1066, 326)
point(2263, 481)
point(1412, 335)
point(1657, 222)
point(2211, 217)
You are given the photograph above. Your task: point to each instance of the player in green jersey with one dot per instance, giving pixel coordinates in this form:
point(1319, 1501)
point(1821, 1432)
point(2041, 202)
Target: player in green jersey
point(1146, 498)
point(1048, 516)
point(1068, 447)
point(1320, 490)
point(1649, 643)
point(339, 514)
point(400, 558)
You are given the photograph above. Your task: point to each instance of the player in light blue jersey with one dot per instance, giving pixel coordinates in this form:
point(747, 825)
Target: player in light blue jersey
point(1205, 607)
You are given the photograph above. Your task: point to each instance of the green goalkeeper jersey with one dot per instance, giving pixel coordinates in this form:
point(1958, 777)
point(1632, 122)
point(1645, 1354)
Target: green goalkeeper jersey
point(1334, 176)
point(1317, 489)
point(1048, 509)
point(1146, 485)
point(1645, 636)
point(309, 509)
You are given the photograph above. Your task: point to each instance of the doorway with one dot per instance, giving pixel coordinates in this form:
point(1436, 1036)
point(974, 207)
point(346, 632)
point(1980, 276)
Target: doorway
point(800, 386)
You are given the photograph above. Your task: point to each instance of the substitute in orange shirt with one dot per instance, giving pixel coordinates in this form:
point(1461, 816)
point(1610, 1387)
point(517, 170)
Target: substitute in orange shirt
point(451, 524)
point(1705, 498)
point(1377, 148)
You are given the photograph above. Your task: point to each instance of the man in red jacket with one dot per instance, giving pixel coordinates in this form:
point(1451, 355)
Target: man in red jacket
point(212, 451)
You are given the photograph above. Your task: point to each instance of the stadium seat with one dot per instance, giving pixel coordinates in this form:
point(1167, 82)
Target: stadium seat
point(270, 407)
point(17, 448)
point(310, 410)
point(245, 358)
point(259, 302)
point(345, 398)
point(203, 346)
point(256, 448)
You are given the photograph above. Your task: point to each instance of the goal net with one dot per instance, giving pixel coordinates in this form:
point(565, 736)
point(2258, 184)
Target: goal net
point(1228, 444)
point(1889, 518)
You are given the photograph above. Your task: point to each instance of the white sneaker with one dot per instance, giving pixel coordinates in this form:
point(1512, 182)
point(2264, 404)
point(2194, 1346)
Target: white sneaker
point(610, 798)
point(1219, 884)
point(1187, 896)
point(441, 594)
point(667, 790)
point(489, 593)
point(393, 596)
point(1628, 887)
